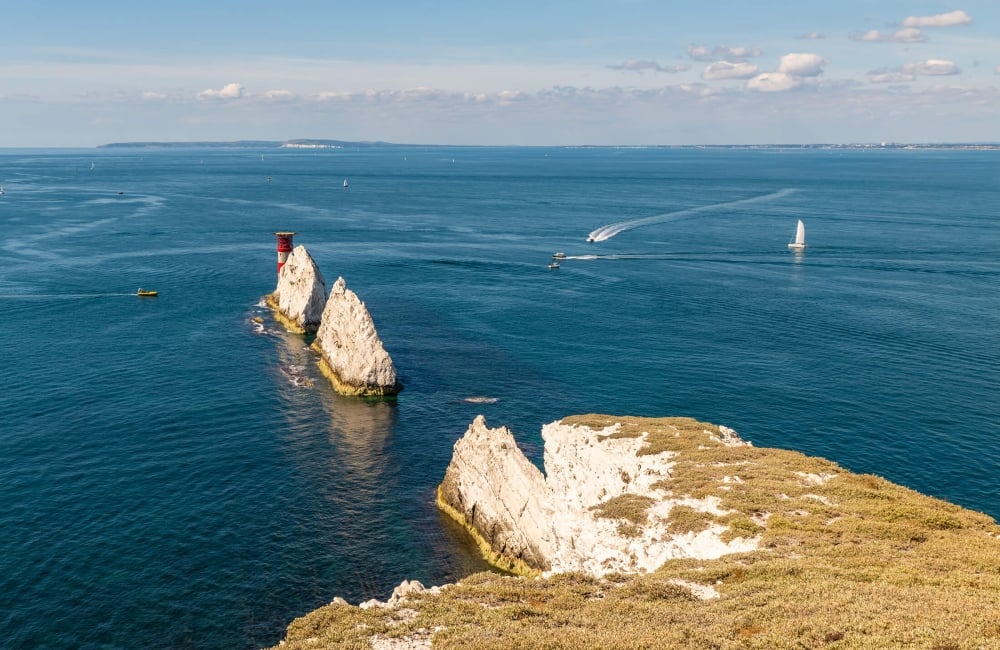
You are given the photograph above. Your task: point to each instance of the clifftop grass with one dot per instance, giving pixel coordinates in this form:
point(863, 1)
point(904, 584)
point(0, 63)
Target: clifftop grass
point(845, 561)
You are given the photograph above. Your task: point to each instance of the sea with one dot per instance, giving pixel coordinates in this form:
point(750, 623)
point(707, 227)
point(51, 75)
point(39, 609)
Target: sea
point(176, 473)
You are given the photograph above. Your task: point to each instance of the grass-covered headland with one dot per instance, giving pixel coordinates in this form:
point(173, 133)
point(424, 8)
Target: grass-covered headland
point(845, 561)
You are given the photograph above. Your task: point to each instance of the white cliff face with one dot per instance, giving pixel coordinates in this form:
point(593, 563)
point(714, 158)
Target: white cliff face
point(300, 296)
point(352, 351)
point(549, 521)
point(496, 488)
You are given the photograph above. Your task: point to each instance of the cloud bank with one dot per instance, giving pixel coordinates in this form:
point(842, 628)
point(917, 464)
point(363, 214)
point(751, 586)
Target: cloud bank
point(949, 19)
point(722, 53)
point(635, 65)
point(905, 35)
point(727, 70)
point(910, 71)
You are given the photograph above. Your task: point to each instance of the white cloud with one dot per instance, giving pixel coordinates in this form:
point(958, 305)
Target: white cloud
point(151, 96)
point(729, 70)
point(949, 19)
point(813, 36)
point(279, 95)
point(910, 71)
point(933, 67)
point(997, 69)
point(721, 52)
point(229, 91)
point(884, 76)
point(512, 96)
point(802, 64)
point(794, 71)
point(641, 66)
point(905, 35)
point(773, 82)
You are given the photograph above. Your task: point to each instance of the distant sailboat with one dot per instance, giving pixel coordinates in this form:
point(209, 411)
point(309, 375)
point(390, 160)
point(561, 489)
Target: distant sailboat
point(1, 190)
point(91, 165)
point(345, 182)
point(799, 244)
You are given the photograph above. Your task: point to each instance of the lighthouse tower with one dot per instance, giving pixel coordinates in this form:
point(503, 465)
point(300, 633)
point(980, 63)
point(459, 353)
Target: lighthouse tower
point(284, 247)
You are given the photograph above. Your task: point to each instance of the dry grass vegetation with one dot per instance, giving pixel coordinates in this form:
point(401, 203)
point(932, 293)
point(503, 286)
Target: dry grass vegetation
point(845, 561)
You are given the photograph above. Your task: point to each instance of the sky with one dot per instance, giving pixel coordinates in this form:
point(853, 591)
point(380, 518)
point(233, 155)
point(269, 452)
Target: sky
point(468, 72)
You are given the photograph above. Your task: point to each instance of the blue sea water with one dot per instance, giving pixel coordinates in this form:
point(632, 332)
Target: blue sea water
point(168, 480)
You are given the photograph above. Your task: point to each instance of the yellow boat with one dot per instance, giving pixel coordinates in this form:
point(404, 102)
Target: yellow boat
point(146, 293)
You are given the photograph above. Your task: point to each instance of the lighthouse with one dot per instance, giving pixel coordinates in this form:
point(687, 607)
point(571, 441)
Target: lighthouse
point(284, 247)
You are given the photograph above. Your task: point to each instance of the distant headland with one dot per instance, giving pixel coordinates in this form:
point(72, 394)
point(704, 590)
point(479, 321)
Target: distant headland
point(341, 144)
point(245, 144)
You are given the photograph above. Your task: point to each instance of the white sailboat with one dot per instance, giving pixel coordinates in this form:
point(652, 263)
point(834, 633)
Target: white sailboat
point(1, 190)
point(799, 244)
point(345, 182)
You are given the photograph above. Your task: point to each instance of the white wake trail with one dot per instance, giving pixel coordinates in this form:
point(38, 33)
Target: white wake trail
point(607, 232)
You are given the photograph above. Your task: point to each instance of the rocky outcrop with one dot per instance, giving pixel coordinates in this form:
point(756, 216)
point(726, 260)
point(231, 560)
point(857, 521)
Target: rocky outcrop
point(831, 544)
point(604, 504)
point(300, 297)
point(494, 490)
point(352, 355)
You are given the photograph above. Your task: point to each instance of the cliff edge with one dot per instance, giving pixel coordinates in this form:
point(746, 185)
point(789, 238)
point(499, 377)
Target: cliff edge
point(604, 504)
point(757, 548)
point(352, 354)
point(300, 297)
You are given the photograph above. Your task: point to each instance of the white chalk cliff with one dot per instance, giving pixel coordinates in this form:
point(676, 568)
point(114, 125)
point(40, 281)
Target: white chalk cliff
point(564, 520)
point(300, 297)
point(353, 357)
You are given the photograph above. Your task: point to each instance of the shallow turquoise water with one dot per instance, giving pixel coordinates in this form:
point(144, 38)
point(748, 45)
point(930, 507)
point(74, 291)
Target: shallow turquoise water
point(165, 482)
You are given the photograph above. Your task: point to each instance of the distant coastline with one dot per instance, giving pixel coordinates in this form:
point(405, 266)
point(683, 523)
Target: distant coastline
point(339, 144)
point(244, 144)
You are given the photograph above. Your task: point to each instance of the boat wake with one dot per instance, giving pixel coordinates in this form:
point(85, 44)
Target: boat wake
point(607, 232)
point(62, 296)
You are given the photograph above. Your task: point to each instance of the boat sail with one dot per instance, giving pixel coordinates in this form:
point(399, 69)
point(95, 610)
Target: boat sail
point(799, 244)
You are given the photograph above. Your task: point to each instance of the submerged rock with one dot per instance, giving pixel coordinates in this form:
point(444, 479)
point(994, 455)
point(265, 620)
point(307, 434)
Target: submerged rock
point(300, 297)
point(352, 355)
point(602, 506)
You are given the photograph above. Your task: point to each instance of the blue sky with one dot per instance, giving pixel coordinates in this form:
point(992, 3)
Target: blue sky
point(627, 72)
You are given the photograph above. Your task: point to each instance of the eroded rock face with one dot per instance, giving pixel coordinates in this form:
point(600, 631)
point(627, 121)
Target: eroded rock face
point(551, 522)
point(495, 490)
point(300, 297)
point(352, 353)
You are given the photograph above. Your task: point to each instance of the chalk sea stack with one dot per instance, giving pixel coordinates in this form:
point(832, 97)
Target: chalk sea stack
point(300, 296)
point(352, 355)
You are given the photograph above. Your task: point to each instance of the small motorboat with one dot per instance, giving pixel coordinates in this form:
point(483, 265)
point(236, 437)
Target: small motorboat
point(554, 265)
point(146, 293)
point(559, 256)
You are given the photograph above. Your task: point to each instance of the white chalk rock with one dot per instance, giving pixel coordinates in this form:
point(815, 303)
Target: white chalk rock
point(496, 489)
point(352, 353)
point(300, 297)
point(548, 521)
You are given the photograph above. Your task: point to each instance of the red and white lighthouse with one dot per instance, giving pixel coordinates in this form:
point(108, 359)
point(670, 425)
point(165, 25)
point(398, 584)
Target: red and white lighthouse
point(284, 247)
